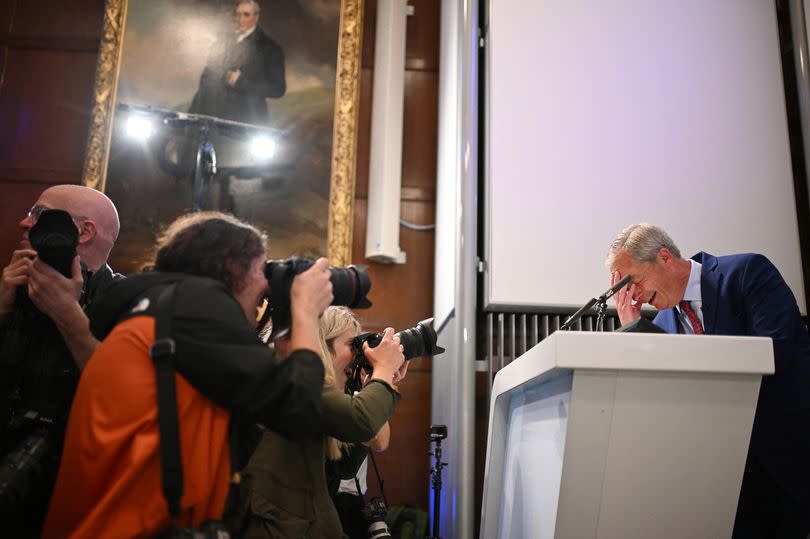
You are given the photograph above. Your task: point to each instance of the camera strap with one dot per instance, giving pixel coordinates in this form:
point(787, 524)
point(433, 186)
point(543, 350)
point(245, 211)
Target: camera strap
point(379, 478)
point(162, 353)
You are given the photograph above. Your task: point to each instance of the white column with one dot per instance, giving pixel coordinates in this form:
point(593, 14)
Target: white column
point(385, 166)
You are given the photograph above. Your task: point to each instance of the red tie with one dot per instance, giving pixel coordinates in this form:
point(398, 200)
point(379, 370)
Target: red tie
point(686, 307)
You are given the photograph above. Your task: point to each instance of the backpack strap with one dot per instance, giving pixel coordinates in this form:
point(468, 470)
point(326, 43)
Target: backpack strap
point(162, 353)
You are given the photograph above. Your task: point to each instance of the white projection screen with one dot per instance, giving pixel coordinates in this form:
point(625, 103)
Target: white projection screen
point(604, 114)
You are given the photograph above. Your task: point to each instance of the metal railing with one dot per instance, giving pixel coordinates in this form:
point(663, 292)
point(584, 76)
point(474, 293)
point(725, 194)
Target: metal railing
point(510, 335)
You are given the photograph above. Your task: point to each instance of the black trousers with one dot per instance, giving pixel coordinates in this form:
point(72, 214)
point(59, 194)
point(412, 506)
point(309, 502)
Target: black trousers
point(766, 510)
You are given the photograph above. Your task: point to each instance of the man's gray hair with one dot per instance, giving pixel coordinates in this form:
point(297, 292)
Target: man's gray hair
point(642, 241)
point(256, 7)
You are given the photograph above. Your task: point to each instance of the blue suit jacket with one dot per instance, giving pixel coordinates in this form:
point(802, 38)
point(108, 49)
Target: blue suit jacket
point(745, 295)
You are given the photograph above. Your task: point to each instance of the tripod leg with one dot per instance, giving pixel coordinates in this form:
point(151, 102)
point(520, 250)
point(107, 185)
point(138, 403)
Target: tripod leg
point(436, 482)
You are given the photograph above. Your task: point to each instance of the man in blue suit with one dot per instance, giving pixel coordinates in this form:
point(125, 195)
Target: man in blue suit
point(741, 294)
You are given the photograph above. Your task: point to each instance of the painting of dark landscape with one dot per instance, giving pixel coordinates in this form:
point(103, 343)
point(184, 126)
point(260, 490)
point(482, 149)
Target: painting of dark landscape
point(170, 50)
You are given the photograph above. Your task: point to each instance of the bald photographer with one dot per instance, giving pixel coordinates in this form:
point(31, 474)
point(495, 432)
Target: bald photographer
point(59, 268)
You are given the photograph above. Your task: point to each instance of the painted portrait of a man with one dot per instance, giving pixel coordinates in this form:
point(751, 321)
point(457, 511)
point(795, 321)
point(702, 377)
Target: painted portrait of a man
point(224, 75)
point(245, 69)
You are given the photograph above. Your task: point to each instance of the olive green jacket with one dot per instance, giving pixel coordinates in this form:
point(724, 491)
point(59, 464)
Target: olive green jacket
point(284, 484)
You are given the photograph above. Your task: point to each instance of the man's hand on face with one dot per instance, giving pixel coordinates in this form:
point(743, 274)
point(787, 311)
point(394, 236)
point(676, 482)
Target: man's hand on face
point(53, 293)
point(15, 275)
point(627, 308)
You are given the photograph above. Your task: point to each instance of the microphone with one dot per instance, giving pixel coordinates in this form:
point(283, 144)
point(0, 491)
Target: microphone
point(601, 300)
point(624, 281)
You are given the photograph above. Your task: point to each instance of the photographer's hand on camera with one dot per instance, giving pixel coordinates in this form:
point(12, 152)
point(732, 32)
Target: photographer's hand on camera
point(14, 276)
point(398, 376)
point(310, 295)
point(386, 358)
point(57, 297)
point(53, 293)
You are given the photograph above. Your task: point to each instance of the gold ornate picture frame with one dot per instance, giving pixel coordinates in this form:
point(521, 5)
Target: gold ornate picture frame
point(339, 221)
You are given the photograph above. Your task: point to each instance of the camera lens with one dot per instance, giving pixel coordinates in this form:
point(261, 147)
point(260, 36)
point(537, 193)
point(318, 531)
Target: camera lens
point(417, 341)
point(374, 512)
point(378, 529)
point(23, 468)
point(350, 286)
point(420, 340)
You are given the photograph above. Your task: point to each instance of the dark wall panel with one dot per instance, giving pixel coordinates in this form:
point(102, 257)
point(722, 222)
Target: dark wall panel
point(15, 200)
point(481, 433)
point(364, 138)
point(369, 33)
point(48, 57)
point(44, 114)
point(422, 34)
point(420, 130)
point(6, 9)
point(66, 19)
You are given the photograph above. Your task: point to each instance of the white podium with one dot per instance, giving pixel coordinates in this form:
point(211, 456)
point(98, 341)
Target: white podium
point(621, 435)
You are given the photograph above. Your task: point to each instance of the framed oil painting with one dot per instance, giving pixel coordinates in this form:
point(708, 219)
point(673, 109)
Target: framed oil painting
point(247, 107)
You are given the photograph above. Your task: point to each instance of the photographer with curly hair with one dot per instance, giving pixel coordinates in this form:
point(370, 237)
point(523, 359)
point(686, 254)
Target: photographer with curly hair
point(226, 381)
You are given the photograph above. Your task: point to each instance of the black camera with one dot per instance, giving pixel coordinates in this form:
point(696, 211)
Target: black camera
point(349, 287)
point(417, 341)
point(374, 513)
point(438, 432)
point(22, 469)
point(55, 237)
point(30, 444)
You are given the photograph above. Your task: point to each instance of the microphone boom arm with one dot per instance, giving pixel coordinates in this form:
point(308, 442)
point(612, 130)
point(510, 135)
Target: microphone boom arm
point(601, 301)
point(579, 314)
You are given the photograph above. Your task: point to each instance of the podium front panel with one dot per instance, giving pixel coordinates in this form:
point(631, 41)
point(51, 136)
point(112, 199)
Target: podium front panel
point(533, 463)
point(621, 436)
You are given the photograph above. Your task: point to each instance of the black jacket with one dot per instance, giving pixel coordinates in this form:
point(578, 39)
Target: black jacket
point(219, 353)
point(37, 371)
point(261, 63)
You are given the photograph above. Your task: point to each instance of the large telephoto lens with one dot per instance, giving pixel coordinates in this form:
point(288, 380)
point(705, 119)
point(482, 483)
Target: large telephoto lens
point(349, 288)
point(417, 341)
point(349, 285)
point(420, 340)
